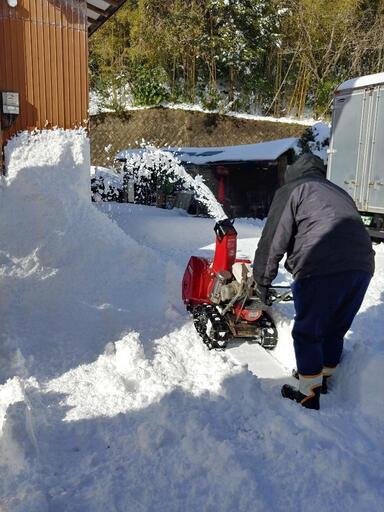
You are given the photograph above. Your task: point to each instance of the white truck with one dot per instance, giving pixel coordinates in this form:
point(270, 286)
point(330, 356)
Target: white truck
point(356, 151)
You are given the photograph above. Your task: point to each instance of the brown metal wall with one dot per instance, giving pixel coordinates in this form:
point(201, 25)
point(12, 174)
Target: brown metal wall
point(44, 57)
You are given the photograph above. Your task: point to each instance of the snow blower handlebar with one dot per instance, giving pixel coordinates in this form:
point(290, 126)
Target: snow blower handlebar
point(277, 296)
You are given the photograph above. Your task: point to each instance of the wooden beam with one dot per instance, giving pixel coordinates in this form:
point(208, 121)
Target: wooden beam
point(97, 10)
point(115, 3)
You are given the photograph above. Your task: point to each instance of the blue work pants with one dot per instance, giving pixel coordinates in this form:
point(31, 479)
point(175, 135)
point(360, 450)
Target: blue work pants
point(325, 308)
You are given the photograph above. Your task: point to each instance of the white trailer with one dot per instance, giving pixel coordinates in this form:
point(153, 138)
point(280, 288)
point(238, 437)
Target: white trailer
point(356, 153)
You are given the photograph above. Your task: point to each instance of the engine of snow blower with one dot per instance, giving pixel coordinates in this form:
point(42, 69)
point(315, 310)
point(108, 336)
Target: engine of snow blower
point(219, 295)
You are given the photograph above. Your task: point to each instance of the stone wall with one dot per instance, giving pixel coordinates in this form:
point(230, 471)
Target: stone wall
point(111, 133)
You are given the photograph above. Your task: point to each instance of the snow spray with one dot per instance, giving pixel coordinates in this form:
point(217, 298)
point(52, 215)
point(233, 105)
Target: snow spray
point(152, 161)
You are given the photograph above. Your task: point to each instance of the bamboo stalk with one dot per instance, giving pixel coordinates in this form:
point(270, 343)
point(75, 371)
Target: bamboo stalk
point(276, 109)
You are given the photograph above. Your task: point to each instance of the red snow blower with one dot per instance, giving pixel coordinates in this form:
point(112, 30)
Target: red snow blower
point(219, 294)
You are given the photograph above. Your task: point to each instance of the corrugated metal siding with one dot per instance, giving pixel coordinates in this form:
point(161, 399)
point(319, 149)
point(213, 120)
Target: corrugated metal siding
point(44, 57)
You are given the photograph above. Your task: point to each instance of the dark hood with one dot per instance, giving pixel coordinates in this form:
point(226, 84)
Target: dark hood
point(306, 164)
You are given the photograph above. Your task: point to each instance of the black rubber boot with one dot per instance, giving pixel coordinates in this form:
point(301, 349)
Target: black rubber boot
point(308, 394)
point(310, 402)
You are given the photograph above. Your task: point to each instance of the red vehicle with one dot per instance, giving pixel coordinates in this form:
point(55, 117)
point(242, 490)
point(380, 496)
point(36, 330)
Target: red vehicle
point(220, 296)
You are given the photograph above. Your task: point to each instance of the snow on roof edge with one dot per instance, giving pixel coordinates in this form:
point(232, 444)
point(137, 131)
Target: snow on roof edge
point(263, 151)
point(362, 81)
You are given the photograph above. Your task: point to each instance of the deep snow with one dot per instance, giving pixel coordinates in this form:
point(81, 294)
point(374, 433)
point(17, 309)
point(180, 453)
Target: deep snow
point(108, 399)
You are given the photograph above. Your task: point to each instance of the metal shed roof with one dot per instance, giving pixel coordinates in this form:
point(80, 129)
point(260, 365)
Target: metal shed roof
point(99, 11)
point(262, 152)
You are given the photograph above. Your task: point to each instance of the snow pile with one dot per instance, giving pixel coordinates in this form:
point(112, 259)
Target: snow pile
point(64, 266)
point(109, 401)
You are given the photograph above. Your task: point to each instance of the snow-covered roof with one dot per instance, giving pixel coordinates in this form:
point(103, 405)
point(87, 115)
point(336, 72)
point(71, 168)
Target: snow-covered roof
point(264, 151)
point(362, 81)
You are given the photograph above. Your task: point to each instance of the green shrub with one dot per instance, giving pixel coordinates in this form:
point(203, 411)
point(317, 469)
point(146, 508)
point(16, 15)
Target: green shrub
point(210, 99)
point(148, 86)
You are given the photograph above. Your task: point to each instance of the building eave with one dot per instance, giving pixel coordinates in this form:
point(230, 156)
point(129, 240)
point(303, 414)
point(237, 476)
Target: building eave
point(99, 11)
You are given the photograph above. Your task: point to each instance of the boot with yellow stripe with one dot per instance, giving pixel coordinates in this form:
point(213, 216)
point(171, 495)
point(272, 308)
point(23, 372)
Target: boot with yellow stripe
point(328, 371)
point(308, 394)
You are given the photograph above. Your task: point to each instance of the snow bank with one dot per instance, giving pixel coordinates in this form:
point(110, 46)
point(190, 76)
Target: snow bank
point(109, 402)
point(65, 267)
point(83, 307)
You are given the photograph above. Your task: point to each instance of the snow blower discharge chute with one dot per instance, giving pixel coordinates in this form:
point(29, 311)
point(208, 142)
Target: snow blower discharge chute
point(219, 294)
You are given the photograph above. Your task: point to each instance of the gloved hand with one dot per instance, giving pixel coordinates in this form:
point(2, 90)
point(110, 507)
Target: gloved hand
point(262, 294)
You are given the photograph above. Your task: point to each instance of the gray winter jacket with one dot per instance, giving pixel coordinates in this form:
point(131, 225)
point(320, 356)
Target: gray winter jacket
point(316, 224)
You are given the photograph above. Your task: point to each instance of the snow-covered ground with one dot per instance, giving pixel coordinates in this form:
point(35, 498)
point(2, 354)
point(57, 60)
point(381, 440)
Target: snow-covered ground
point(109, 402)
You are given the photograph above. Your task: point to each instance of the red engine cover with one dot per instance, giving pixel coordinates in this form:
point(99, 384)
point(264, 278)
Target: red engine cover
point(249, 315)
